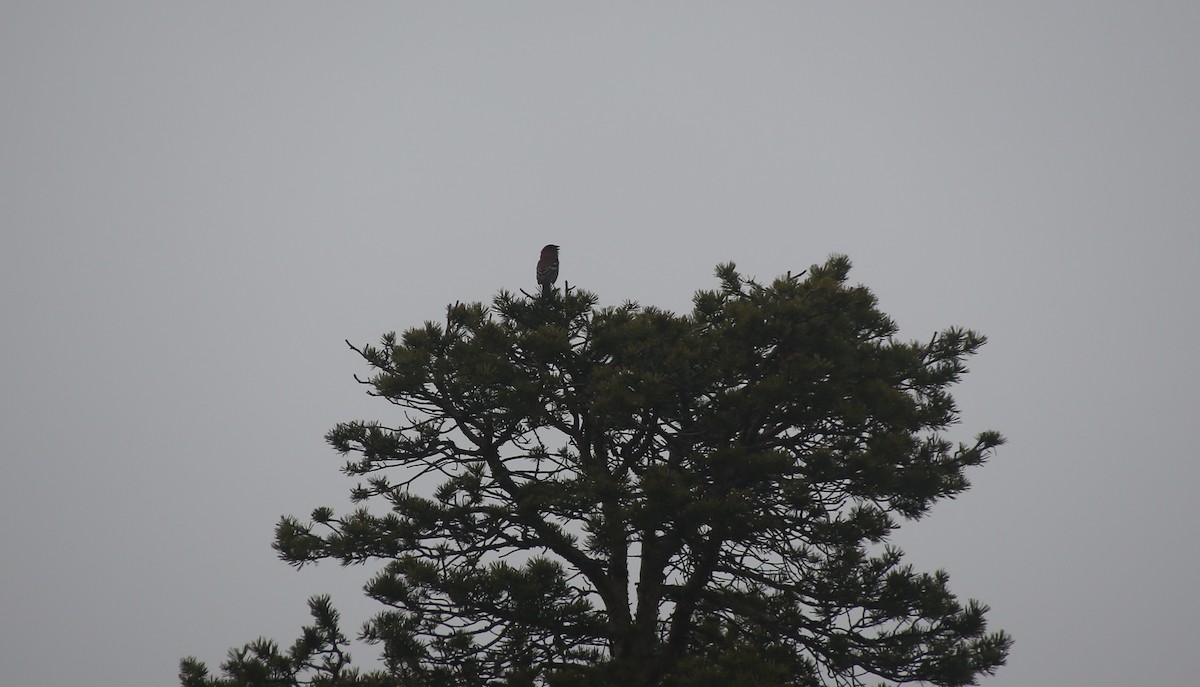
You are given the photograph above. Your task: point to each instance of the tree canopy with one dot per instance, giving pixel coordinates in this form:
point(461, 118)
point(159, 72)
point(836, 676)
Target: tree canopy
point(569, 494)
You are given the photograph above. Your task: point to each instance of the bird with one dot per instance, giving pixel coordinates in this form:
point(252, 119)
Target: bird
point(547, 269)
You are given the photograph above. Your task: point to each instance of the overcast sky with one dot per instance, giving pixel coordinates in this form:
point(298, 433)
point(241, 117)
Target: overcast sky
point(200, 201)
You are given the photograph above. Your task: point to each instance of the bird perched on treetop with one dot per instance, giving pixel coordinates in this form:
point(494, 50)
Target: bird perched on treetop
point(547, 269)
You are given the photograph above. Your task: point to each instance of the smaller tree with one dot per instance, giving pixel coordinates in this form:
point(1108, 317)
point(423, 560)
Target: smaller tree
point(625, 496)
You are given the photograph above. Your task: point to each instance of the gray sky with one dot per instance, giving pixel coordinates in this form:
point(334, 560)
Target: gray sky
point(200, 201)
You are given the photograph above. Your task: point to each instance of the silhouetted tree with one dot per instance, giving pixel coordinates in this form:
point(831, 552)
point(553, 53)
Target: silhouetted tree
point(579, 496)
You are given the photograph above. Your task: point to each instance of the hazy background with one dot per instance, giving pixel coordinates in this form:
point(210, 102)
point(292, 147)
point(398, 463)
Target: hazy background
point(200, 201)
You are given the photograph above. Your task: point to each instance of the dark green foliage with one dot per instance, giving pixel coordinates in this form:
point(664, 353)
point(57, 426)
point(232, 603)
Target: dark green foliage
point(320, 650)
point(625, 496)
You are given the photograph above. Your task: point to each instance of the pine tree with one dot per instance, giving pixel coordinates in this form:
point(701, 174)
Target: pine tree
point(574, 495)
